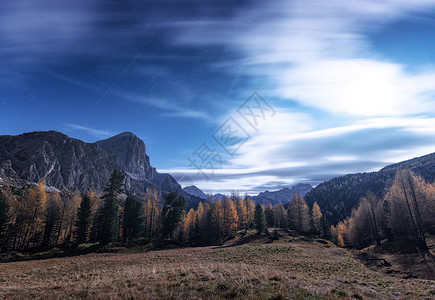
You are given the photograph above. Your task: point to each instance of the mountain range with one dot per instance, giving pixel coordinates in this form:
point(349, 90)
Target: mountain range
point(68, 164)
point(281, 196)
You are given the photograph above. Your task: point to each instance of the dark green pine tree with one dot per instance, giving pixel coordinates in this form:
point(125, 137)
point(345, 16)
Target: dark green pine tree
point(52, 218)
point(134, 221)
point(3, 215)
point(171, 213)
point(82, 223)
point(260, 223)
point(270, 218)
point(108, 221)
point(325, 229)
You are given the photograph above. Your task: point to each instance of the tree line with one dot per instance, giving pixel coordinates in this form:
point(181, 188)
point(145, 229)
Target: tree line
point(405, 214)
point(34, 218)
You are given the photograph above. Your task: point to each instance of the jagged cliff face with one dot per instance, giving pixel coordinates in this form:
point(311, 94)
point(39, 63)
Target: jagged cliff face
point(63, 162)
point(130, 154)
point(67, 163)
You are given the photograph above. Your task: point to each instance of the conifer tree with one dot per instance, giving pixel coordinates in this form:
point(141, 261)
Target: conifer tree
point(410, 205)
point(133, 218)
point(250, 210)
point(189, 225)
point(217, 221)
point(172, 212)
point(340, 241)
point(270, 218)
point(316, 217)
point(260, 223)
point(152, 213)
point(51, 222)
point(37, 199)
point(298, 216)
point(108, 218)
point(3, 214)
point(231, 219)
point(242, 212)
point(198, 219)
point(205, 225)
point(83, 220)
point(280, 216)
point(325, 229)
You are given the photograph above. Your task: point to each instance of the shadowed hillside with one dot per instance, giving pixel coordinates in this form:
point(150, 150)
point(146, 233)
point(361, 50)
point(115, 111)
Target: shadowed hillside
point(338, 196)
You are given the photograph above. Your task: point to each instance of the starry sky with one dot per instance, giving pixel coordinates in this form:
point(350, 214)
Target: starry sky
point(228, 95)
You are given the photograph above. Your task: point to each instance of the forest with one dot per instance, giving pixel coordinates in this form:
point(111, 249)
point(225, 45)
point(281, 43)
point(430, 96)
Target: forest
point(405, 214)
point(37, 217)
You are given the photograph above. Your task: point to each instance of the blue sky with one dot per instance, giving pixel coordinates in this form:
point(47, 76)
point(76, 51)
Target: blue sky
point(350, 85)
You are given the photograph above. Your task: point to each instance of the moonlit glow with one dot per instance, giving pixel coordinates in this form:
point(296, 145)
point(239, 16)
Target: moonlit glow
point(352, 82)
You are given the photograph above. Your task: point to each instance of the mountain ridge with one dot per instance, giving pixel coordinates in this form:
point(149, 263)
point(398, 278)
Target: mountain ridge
point(69, 163)
point(281, 196)
point(339, 195)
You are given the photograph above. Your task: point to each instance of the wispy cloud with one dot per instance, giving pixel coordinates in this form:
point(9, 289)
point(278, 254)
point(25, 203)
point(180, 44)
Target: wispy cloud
point(319, 55)
point(298, 153)
point(342, 106)
point(169, 108)
point(98, 133)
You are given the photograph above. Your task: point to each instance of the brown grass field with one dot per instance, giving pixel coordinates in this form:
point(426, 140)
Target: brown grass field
point(285, 269)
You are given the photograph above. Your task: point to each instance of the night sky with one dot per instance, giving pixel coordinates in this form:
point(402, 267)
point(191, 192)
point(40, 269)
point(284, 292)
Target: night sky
point(228, 95)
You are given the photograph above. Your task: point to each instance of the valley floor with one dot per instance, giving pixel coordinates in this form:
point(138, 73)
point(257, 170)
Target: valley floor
point(284, 269)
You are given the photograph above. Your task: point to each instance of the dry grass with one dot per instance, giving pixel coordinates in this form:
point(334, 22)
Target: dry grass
point(258, 270)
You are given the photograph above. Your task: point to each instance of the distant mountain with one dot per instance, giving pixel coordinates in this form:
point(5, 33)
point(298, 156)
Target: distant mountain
point(338, 196)
point(67, 163)
point(217, 197)
point(282, 196)
point(194, 191)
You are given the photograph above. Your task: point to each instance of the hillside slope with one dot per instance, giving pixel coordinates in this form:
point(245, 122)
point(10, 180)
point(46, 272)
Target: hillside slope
point(338, 196)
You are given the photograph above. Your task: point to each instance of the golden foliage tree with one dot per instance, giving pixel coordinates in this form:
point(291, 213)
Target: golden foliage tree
point(298, 214)
point(364, 224)
point(152, 212)
point(231, 219)
point(242, 213)
point(250, 211)
point(189, 225)
point(316, 217)
point(411, 202)
point(280, 216)
point(217, 220)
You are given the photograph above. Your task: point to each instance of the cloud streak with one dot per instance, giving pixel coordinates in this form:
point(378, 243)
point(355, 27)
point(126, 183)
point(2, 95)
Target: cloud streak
point(318, 54)
point(98, 133)
point(342, 105)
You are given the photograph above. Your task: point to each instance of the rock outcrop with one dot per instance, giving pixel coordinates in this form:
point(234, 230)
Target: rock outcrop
point(64, 162)
point(130, 152)
point(67, 163)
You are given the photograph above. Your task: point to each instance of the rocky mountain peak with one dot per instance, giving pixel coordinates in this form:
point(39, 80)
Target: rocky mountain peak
point(68, 163)
point(63, 162)
point(130, 152)
point(195, 191)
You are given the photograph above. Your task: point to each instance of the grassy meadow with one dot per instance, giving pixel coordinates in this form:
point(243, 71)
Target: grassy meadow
point(249, 268)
